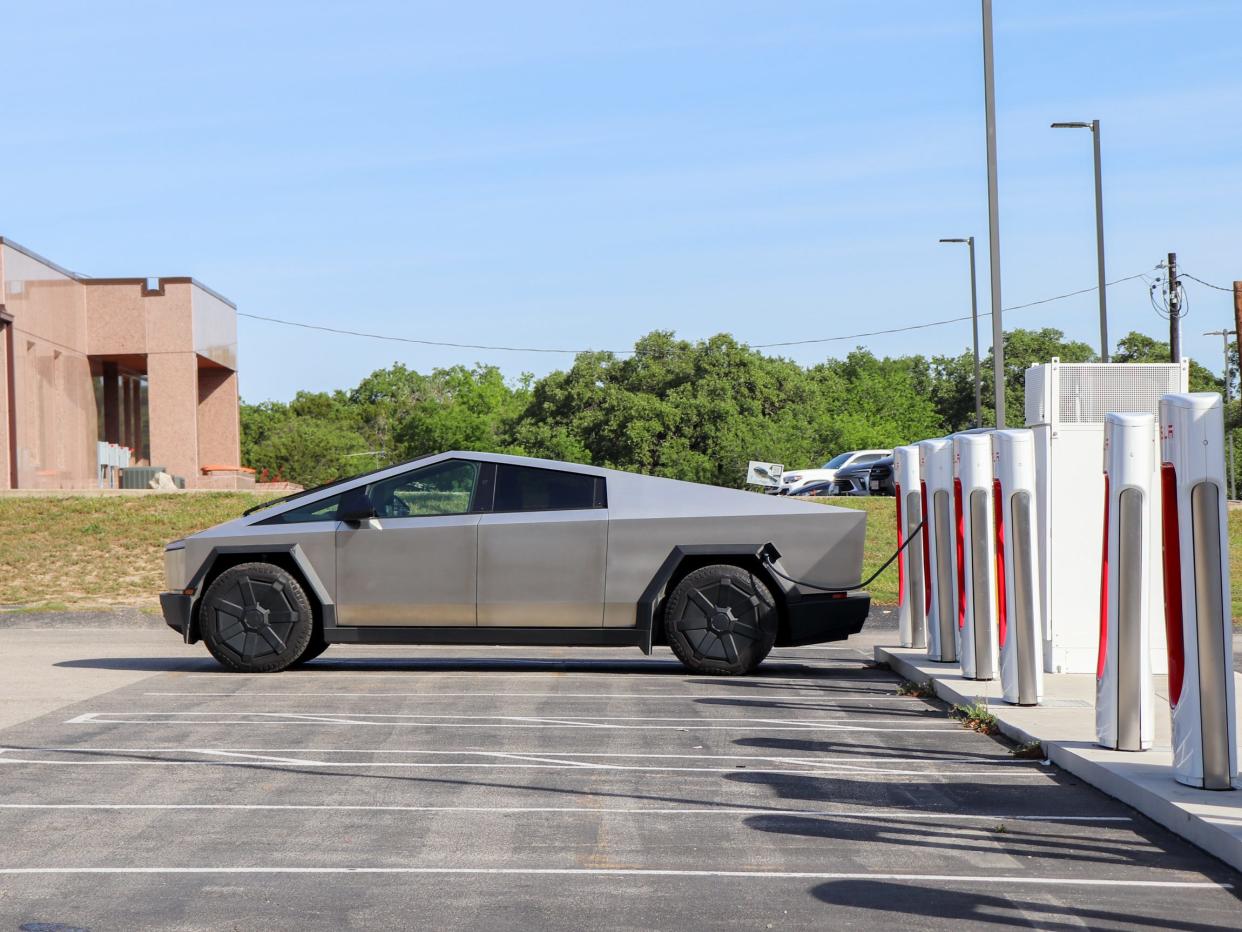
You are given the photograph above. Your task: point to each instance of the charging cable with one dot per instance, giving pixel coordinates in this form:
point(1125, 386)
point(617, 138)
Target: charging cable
point(768, 557)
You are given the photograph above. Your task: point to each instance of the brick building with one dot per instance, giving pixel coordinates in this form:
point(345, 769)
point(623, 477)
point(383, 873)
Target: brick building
point(145, 364)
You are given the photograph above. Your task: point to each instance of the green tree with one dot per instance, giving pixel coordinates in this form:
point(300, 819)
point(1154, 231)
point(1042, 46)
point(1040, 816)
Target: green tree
point(461, 409)
point(700, 411)
point(677, 408)
point(306, 449)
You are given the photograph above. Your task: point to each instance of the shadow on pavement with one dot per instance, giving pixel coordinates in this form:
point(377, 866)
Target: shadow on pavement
point(153, 664)
point(932, 748)
point(1024, 907)
point(1027, 842)
point(655, 667)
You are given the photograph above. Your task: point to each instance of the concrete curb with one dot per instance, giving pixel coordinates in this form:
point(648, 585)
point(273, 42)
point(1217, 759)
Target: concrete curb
point(1065, 726)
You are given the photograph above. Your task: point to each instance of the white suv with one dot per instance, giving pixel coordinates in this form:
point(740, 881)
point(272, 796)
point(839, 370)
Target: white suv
point(794, 479)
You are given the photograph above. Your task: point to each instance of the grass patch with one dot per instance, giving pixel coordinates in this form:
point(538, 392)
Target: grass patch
point(58, 553)
point(977, 717)
point(1031, 750)
point(917, 690)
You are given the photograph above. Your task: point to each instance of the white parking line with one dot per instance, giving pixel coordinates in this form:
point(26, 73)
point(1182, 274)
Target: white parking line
point(949, 879)
point(506, 696)
point(887, 815)
point(416, 669)
point(582, 720)
point(257, 761)
point(496, 721)
point(484, 752)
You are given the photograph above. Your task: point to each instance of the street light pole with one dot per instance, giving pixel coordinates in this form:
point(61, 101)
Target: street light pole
point(974, 325)
point(1224, 335)
point(989, 112)
point(1094, 126)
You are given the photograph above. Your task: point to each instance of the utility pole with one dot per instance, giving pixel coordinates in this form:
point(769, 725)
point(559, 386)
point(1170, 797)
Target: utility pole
point(989, 108)
point(1175, 313)
point(1237, 307)
point(1224, 335)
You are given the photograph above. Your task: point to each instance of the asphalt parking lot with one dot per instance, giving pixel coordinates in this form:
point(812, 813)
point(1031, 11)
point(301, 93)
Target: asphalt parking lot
point(561, 789)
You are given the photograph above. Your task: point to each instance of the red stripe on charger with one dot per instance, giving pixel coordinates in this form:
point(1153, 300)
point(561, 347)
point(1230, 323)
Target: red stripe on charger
point(1171, 533)
point(961, 553)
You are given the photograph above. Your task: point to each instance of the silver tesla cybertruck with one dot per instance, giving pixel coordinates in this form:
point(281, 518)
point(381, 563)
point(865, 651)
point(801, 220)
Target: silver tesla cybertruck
point(480, 548)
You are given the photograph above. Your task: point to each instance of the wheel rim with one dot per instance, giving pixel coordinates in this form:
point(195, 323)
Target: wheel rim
point(721, 620)
point(254, 618)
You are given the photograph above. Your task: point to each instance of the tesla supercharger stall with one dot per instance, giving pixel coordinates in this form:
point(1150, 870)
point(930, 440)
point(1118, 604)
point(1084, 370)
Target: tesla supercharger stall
point(1196, 590)
point(936, 475)
point(1019, 620)
point(1124, 701)
point(1066, 404)
point(974, 556)
point(911, 610)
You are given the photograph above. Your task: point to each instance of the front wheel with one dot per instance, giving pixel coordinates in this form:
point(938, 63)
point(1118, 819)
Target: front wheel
point(721, 619)
point(256, 618)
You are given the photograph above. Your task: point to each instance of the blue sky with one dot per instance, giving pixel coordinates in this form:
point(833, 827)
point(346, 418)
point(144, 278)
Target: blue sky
point(575, 175)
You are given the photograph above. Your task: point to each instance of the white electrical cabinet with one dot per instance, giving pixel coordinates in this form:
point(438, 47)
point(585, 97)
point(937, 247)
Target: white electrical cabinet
point(1065, 406)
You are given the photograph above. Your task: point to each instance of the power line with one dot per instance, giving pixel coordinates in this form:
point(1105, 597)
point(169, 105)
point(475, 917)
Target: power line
point(539, 349)
point(1202, 282)
point(938, 323)
point(396, 339)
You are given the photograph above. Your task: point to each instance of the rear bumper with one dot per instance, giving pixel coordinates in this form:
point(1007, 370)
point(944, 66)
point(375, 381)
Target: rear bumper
point(819, 617)
point(176, 608)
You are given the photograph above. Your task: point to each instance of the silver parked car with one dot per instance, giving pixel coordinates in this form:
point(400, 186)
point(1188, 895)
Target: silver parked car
point(479, 548)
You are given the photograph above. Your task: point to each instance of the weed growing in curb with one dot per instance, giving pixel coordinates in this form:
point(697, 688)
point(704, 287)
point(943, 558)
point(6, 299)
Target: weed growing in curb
point(976, 717)
point(917, 690)
point(1031, 750)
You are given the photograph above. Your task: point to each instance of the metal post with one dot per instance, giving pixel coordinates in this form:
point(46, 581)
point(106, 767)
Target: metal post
point(1099, 242)
point(989, 107)
point(974, 323)
point(1094, 126)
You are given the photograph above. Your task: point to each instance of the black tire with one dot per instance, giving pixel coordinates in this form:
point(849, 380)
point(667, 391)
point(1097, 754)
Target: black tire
point(255, 618)
point(721, 619)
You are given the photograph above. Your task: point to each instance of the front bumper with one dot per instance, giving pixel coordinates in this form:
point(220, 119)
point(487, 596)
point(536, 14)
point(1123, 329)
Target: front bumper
point(176, 608)
point(817, 617)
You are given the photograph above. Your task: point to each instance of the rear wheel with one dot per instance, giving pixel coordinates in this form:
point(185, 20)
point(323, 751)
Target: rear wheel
point(256, 618)
point(721, 619)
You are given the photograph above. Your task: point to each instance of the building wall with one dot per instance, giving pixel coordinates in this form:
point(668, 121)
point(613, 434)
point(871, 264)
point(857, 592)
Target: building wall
point(181, 334)
point(172, 398)
point(56, 423)
point(215, 328)
point(6, 464)
point(219, 428)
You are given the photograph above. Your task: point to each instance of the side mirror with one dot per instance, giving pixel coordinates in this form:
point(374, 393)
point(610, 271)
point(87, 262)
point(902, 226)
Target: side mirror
point(355, 506)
